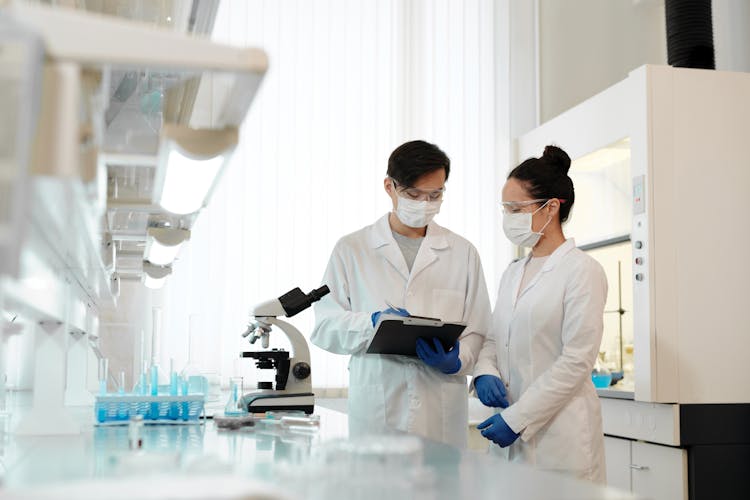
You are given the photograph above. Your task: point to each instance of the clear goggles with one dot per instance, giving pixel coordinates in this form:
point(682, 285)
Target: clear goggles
point(417, 194)
point(515, 207)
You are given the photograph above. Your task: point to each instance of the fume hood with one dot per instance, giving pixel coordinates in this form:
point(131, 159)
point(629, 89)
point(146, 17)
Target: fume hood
point(660, 171)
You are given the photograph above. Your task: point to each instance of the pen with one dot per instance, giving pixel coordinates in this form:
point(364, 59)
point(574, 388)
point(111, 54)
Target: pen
point(394, 307)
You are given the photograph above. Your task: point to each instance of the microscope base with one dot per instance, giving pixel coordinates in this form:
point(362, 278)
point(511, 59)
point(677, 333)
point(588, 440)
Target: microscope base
point(262, 401)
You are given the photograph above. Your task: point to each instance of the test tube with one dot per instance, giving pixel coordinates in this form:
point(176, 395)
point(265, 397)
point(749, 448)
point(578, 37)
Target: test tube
point(144, 379)
point(174, 408)
point(154, 409)
point(173, 387)
point(154, 380)
point(184, 389)
point(122, 407)
point(103, 371)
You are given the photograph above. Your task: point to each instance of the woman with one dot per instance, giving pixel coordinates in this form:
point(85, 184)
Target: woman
point(546, 331)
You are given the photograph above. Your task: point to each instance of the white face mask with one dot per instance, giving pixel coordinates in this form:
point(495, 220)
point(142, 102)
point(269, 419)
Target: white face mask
point(417, 213)
point(517, 228)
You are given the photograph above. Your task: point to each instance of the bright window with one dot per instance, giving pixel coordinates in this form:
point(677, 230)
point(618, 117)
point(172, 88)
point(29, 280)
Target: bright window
point(349, 81)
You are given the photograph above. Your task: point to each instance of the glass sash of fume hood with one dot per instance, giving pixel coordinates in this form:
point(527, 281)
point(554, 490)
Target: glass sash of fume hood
point(600, 222)
point(602, 212)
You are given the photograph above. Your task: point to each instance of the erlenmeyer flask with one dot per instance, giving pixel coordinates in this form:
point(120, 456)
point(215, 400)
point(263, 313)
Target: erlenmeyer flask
point(600, 375)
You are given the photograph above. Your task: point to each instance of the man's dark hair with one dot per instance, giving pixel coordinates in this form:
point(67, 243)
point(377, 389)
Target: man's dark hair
point(413, 159)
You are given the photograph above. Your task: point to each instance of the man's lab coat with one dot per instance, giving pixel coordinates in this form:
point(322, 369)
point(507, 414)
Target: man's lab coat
point(365, 270)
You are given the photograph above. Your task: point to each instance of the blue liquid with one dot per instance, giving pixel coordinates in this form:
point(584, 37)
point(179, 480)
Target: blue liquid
point(601, 381)
point(185, 407)
point(232, 407)
point(174, 409)
point(154, 414)
point(154, 380)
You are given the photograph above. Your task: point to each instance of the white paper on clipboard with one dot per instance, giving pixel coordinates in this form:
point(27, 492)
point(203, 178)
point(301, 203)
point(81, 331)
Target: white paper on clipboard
point(398, 334)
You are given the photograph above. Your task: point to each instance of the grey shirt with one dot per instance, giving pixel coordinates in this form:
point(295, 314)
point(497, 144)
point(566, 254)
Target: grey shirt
point(409, 247)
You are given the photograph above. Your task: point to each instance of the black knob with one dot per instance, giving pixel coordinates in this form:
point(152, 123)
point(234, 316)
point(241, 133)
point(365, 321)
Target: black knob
point(301, 370)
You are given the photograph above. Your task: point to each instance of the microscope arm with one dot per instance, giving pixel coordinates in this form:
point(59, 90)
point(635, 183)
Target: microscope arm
point(300, 351)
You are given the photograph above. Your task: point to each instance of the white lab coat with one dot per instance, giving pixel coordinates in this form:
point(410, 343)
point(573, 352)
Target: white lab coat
point(366, 269)
point(543, 344)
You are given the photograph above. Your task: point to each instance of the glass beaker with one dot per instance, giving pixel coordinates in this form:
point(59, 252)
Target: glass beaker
point(600, 375)
point(235, 395)
point(213, 386)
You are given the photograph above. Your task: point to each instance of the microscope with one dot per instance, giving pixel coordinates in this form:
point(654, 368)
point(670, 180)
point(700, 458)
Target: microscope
point(293, 389)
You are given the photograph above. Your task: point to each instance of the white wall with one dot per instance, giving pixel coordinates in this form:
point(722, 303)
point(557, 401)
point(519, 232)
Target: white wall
point(731, 21)
point(586, 46)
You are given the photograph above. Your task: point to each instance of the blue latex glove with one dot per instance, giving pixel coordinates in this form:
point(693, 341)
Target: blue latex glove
point(446, 362)
point(491, 391)
point(496, 430)
point(400, 311)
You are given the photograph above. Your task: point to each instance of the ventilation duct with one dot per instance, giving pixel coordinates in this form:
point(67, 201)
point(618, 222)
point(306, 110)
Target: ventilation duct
point(690, 40)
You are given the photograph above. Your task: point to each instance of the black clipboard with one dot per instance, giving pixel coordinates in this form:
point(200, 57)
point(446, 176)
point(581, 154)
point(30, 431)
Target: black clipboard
point(399, 334)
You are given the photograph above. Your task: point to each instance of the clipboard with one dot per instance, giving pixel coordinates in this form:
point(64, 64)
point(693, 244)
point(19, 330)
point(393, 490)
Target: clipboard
point(398, 334)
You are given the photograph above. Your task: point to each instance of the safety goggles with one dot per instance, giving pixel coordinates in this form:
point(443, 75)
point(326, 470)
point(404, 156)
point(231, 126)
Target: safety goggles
point(413, 193)
point(514, 207)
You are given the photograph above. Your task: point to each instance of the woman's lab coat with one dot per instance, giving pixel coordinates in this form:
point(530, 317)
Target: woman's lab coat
point(544, 342)
point(365, 270)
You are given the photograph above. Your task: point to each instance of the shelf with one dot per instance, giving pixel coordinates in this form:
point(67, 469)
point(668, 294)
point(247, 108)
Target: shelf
point(103, 108)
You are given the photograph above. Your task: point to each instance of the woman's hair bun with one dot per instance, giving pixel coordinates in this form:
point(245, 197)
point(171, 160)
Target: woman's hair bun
point(557, 158)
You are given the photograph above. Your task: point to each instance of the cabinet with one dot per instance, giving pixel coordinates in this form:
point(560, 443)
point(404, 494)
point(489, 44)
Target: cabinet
point(646, 469)
point(617, 455)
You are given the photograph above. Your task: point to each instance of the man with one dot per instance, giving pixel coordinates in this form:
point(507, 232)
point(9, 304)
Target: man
point(407, 260)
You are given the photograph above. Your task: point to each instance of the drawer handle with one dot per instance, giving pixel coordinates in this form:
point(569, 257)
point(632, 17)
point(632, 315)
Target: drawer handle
point(639, 467)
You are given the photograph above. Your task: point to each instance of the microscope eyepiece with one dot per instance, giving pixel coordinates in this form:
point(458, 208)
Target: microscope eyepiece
point(295, 301)
point(318, 293)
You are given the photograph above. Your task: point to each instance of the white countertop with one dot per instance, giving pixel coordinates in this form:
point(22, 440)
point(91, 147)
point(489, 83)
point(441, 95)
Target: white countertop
point(185, 461)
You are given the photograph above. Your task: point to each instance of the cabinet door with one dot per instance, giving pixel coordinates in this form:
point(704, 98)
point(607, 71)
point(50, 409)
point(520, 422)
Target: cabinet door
point(617, 455)
point(659, 472)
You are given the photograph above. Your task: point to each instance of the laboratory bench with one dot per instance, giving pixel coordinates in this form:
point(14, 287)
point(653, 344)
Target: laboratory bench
point(187, 461)
point(615, 393)
point(670, 451)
